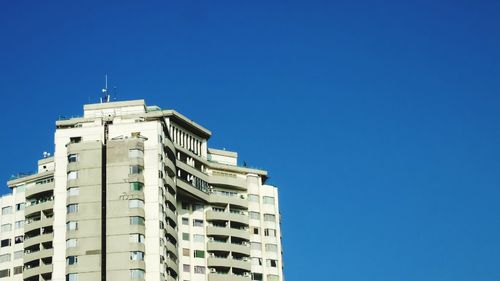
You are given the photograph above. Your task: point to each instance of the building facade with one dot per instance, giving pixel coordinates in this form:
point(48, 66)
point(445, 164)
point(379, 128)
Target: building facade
point(134, 193)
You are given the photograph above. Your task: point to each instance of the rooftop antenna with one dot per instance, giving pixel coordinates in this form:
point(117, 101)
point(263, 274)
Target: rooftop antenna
point(105, 94)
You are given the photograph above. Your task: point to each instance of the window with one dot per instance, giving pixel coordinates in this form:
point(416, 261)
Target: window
point(18, 224)
point(18, 254)
point(135, 203)
point(199, 254)
point(271, 263)
point(255, 230)
point(185, 221)
point(256, 246)
point(268, 200)
point(254, 215)
point(71, 260)
point(136, 238)
point(216, 209)
point(18, 239)
point(71, 243)
point(272, 277)
point(137, 273)
point(72, 277)
point(257, 276)
point(45, 181)
point(72, 208)
point(72, 225)
point(4, 273)
point(197, 222)
point(270, 217)
point(75, 139)
point(271, 248)
point(6, 210)
point(6, 227)
point(135, 220)
point(197, 207)
point(136, 256)
point(257, 261)
point(72, 158)
point(186, 268)
point(135, 153)
point(198, 238)
point(270, 232)
point(136, 186)
point(199, 269)
point(18, 270)
point(5, 258)
point(73, 175)
point(253, 198)
point(185, 236)
point(185, 206)
point(74, 191)
point(136, 169)
point(20, 206)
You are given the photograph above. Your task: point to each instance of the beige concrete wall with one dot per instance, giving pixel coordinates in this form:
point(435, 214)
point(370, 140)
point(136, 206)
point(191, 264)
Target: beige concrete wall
point(118, 211)
point(88, 217)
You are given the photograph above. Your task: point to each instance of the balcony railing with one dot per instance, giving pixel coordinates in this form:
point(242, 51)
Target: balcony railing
point(39, 201)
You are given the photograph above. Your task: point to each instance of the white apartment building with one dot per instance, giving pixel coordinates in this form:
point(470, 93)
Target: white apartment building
point(134, 193)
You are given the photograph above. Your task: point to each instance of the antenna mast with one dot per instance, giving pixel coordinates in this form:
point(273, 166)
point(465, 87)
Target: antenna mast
point(105, 94)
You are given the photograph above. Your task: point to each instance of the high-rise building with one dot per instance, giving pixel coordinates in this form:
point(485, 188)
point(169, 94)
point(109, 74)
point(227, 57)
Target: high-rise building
point(134, 193)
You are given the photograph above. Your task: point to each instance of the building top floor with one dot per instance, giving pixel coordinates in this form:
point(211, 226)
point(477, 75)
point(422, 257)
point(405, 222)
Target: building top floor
point(130, 111)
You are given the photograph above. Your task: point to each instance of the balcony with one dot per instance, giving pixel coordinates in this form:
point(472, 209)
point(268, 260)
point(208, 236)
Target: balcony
point(216, 230)
point(171, 214)
point(243, 264)
point(33, 271)
point(38, 239)
point(240, 249)
point(218, 246)
point(39, 222)
point(39, 205)
point(169, 145)
point(170, 168)
point(171, 263)
point(227, 277)
point(228, 231)
point(239, 201)
point(228, 216)
point(228, 181)
point(172, 231)
point(35, 255)
point(192, 170)
point(169, 181)
point(192, 190)
point(229, 262)
point(240, 233)
point(39, 188)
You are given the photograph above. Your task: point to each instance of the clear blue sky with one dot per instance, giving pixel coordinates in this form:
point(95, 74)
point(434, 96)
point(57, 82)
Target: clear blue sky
point(378, 120)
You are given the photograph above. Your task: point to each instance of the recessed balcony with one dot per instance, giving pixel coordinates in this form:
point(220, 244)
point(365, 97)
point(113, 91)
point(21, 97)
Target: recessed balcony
point(239, 217)
point(227, 277)
point(239, 201)
point(39, 188)
point(228, 181)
